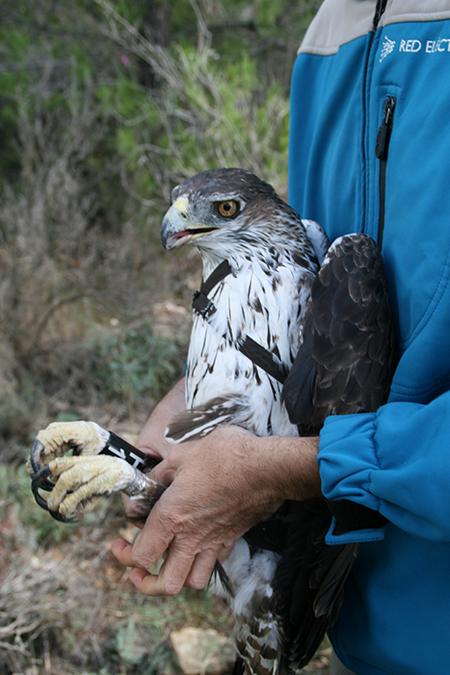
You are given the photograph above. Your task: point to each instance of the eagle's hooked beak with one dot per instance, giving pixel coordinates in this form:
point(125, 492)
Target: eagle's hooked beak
point(176, 228)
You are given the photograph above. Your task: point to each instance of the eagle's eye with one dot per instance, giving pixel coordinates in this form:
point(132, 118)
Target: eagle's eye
point(228, 208)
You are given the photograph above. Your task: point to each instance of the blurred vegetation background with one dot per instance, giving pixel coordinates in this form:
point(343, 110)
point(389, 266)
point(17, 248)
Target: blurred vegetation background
point(105, 106)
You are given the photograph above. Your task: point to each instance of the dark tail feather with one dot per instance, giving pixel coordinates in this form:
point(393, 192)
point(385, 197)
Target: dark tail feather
point(239, 668)
point(310, 581)
point(224, 579)
point(330, 584)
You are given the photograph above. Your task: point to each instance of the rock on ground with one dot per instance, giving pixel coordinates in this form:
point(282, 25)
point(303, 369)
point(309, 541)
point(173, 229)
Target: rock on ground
point(203, 650)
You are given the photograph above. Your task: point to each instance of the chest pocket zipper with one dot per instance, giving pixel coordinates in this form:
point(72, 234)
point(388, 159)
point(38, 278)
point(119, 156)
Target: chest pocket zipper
point(381, 151)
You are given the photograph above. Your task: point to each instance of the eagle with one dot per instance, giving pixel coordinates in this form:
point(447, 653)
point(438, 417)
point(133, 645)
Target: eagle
point(287, 329)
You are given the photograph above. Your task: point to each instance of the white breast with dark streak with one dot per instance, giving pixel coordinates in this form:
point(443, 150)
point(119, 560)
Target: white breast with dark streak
point(267, 306)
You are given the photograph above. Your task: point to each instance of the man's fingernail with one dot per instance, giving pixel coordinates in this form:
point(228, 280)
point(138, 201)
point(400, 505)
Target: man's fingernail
point(137, 574)
point(119, 544)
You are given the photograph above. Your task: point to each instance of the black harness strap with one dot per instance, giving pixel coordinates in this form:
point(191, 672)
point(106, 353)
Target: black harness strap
point(200, 302)
point(261, 357)
point(258, 355)
point(218, 274)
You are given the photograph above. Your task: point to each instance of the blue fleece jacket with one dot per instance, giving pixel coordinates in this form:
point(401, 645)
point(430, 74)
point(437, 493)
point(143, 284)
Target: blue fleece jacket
point(356, 83)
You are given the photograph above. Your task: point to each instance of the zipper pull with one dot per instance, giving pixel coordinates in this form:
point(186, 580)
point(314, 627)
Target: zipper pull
point(384, 132)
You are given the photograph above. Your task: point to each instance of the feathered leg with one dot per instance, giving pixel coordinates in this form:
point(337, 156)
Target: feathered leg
point(249, 570)
point(257, 629)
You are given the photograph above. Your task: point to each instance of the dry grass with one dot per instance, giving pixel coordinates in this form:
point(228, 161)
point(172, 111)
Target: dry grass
point(66, 606)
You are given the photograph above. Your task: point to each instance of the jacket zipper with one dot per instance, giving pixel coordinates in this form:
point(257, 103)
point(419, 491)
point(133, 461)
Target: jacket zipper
point(381, 152)
point(379, 11)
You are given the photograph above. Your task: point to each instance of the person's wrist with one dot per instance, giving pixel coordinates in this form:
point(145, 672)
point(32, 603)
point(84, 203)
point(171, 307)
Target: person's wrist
point(290, 467)
point(267, 473)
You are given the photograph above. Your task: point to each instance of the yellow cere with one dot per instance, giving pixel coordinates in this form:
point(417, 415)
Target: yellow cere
point(181, 204)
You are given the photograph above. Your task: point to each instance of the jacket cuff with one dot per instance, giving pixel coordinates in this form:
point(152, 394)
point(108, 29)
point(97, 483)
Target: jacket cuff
point(347, 458)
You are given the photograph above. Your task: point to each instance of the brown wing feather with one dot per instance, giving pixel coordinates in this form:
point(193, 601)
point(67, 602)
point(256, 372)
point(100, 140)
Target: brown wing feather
point(344, 365)
point(201, 420)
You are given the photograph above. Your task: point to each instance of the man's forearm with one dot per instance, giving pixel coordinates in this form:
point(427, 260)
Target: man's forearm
point(152, 435)
point(294, 465)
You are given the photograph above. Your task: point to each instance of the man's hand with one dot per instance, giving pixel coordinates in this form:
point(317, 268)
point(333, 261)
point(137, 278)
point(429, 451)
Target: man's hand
point(220, 487)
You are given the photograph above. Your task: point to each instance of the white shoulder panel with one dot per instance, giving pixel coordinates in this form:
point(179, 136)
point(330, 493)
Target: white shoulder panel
point(415, 10)
point(338, 22)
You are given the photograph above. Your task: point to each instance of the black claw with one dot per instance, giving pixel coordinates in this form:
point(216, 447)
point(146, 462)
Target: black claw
point(36, 465)
point(36, 450)
point(59, 517)
point(39, 481)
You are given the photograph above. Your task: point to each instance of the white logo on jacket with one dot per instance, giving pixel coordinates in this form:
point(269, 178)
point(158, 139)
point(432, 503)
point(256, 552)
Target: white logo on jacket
point(386, 48)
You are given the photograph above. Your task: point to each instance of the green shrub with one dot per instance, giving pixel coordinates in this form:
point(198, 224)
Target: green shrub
point(135, 364)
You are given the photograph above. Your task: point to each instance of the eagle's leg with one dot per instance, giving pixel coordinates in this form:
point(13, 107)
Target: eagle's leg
point(250, 572)
point(78, 479)
point(73, 480)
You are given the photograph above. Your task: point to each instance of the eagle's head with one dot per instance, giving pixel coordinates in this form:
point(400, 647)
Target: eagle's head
point(223, 210)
